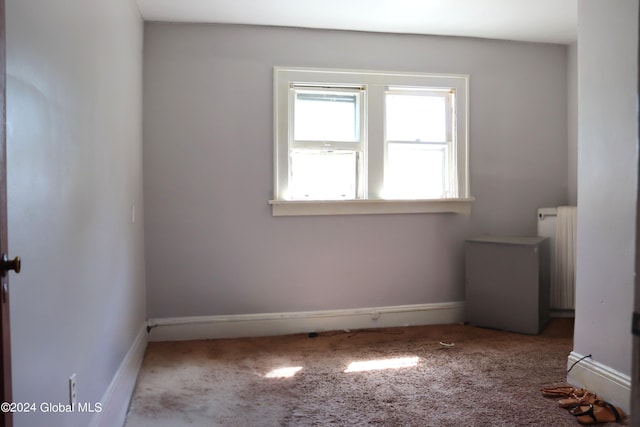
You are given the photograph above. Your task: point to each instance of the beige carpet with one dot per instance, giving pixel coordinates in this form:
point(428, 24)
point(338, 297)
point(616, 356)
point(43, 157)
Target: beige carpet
point(481, 378)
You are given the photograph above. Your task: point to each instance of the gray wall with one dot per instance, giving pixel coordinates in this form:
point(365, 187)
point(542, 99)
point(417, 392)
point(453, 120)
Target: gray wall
point(572, 122)
point(74, 146)
point(607, 179)
point(213, 246)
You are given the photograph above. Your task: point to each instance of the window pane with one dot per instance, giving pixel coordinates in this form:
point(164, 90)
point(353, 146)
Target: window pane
point(415, 171)
point(416, 118)
point(321, 175)
point(326, 116)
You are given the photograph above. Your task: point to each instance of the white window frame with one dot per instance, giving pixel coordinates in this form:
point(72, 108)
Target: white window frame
point(374, 84)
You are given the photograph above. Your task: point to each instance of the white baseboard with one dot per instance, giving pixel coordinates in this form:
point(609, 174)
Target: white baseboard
point(611, 385)
point(266, 324)
point(115, 402)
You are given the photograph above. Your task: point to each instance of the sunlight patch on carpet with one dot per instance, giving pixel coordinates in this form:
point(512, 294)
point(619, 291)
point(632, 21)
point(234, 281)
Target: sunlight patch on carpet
point(373, 365)
point(287, 372)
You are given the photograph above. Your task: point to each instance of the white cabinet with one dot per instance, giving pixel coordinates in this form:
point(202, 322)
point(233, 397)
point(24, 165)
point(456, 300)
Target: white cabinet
point(507, 283)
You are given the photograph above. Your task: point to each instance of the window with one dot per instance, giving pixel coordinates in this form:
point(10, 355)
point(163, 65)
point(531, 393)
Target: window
point(369, 142)
point(419, 143)
point(326, 146)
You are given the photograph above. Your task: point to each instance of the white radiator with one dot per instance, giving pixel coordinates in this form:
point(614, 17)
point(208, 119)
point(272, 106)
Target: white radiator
point(559, 225)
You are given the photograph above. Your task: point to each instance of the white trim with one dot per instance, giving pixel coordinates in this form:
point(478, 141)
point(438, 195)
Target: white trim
point(115, 402)
point(613, 386)
point(355, 207)
point(318, 74)
point(266, 324)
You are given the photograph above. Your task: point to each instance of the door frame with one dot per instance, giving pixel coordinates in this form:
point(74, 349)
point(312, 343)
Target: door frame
point(6, 419)
point(635, 324)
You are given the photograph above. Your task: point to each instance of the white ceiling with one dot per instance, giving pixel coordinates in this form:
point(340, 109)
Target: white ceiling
point(547, 21)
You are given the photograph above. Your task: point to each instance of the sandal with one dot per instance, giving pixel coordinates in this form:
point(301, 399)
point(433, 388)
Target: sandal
point(578, 400)
point(566, 391)
point(598, 412)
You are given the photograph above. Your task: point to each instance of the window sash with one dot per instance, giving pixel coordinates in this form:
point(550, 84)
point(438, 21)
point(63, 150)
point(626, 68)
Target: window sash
point(355, 182)
point(398, 188)
point(447, 95)
point(360, 100)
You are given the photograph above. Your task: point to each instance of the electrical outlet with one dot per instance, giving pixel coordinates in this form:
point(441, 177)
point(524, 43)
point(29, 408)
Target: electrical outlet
point(73, 396)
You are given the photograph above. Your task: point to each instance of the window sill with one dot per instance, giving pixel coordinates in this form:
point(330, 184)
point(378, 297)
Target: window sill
point(363, 207)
